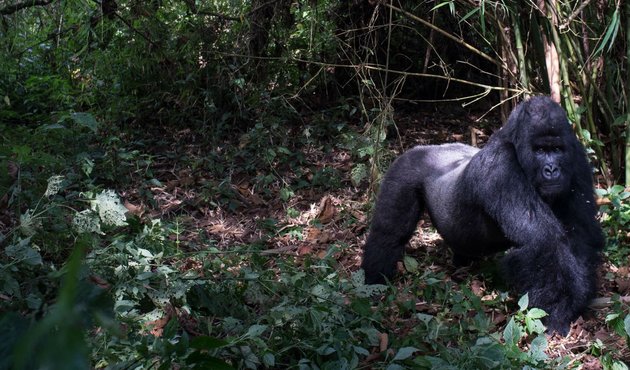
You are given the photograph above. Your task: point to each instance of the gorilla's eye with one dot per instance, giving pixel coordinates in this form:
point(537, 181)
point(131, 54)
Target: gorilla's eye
point(543, 149)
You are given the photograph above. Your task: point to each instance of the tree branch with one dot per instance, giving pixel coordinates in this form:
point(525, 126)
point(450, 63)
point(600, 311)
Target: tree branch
point(443, 32)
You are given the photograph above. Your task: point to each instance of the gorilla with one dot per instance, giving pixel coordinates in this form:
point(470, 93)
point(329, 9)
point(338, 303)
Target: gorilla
point(528, 191)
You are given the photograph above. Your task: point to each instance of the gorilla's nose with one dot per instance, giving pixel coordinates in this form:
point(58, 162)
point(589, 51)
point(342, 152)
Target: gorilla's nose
point(551, 172)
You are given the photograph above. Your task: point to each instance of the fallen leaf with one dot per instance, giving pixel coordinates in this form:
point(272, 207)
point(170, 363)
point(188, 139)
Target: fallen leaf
point(383, 341)
point(312, 234)
point(217, 229)
point(499, 318)
point(304, 249)
point(623, 285)
point(157, 326)
point(477, 288)
point(100, 282)
point(249, 195)
point(327, 210)
point(134, 209)
point(186, 177)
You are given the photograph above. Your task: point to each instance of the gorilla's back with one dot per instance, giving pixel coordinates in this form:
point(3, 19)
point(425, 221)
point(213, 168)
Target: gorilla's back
point(450, 215)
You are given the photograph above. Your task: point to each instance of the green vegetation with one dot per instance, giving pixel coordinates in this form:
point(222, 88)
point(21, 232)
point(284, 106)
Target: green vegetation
point(187, 185)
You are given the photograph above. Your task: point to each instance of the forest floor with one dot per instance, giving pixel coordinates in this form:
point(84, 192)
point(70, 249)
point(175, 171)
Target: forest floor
point(322, 214)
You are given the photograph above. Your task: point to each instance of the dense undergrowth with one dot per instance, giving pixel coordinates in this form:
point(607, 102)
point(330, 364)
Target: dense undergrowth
point(188, 185)
point(259, 269)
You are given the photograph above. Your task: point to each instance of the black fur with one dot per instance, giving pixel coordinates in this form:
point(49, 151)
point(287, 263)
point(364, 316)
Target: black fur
point(530, 189)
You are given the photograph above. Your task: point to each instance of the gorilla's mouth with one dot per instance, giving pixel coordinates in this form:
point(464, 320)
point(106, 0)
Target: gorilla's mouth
point(551, 189)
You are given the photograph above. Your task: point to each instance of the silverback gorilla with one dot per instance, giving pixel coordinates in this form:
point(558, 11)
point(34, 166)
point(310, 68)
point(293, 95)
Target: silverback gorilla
point(529, 189)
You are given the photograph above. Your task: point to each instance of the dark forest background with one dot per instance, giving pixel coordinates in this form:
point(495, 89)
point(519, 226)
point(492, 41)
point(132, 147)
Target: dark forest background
point(188, 184)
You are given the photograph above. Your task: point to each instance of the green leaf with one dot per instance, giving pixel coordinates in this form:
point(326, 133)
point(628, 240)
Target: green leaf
point(618, 365)
point(404, 353)
point(286, 194)
point(394, 367)
point(361, 351)
point(269, 360)
point(537, 348)
point(512, 333)
point(205, 342)
point(489, 352)
point(626, 324)
point(24, 253)
point(325, 350)
point(601, 192)
point(611, 32)
point(536, 313)
point(469, 14)
point(450, 4)
point(211, 362)
point(425, 318)
point(358, 173)
point(523, 302)
point(611, 317)
point(534, 325)
point(85, 120)
point(256, 330)
point(361, 306)
point(320, 292)
point(410, 263)
point(617, 189)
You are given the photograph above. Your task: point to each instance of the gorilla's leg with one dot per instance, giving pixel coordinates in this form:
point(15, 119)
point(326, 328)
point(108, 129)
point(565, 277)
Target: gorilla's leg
point(398, 210)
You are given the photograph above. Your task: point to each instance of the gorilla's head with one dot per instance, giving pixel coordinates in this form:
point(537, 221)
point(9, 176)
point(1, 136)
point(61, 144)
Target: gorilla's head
point(544, 143)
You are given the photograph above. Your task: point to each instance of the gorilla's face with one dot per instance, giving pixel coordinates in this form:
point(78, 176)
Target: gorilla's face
point(544, 143)
point(549, 163)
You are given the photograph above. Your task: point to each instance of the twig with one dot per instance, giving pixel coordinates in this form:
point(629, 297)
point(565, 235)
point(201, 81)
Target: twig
point(571, 17)
point(428, 75)
point(604, 302)
point(281, 250)
point(374, 67)
point(446, 34)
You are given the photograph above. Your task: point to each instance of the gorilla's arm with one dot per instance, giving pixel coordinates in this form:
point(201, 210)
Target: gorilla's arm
point(398, 210)
point(554, 258)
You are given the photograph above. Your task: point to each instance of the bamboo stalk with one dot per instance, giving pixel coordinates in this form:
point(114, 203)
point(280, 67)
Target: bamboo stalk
point(520, 52)
point(587, 91)
point(568, 65)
